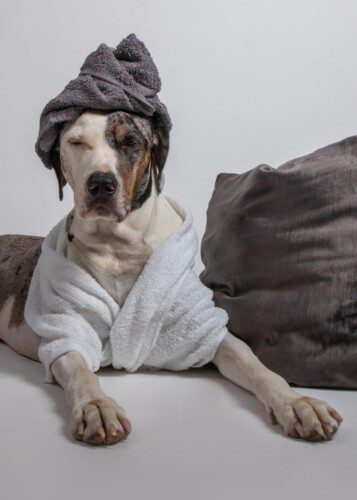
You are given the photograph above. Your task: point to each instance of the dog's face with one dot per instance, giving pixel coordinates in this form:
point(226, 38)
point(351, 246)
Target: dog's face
point(110, 161)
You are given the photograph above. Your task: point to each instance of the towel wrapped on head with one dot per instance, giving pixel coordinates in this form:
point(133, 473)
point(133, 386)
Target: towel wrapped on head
point(124, 78)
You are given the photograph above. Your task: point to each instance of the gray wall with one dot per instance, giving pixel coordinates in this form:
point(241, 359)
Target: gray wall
point(246, 82)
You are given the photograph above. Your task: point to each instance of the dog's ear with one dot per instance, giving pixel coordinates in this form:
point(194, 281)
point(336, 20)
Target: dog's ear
point(56, 165)
point(160, 148)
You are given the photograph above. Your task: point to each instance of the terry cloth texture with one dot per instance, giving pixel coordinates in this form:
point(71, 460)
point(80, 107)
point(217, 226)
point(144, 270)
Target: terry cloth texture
point(124, 78)
point(167, 321)
point(280, 254)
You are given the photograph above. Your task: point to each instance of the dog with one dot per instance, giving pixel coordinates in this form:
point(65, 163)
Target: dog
point(114, 164)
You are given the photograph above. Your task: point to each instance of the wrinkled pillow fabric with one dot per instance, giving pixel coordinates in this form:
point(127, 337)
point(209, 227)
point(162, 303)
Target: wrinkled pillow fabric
point(280, 254)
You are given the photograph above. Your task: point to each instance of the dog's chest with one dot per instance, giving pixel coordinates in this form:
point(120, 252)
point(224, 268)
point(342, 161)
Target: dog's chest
point(118, 287)
point(115, 271)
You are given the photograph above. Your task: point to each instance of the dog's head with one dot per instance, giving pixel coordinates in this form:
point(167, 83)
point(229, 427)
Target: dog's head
point(111, 162)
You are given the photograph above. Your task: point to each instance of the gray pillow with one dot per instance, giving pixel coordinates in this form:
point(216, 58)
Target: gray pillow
point(280, 254)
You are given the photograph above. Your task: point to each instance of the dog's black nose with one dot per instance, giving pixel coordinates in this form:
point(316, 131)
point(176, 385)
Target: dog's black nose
point(101, 185)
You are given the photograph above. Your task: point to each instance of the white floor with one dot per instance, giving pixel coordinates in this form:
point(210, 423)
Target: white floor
point(194, 436)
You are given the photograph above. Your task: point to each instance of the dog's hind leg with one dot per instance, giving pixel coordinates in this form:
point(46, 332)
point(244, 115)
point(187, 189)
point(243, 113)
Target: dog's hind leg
point(19, 337)
point(18, 257)
point(301, 417)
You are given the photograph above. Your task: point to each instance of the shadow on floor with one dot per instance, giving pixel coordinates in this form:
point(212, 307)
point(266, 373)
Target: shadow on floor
point(31, 372)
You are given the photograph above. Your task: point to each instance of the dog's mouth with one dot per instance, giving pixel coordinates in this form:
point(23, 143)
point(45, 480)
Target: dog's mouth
point(103, 211)
point(100, 212)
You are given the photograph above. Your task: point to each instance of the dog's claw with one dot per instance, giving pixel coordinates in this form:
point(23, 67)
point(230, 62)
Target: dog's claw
point(320, 431)
point(299, 430)
point(336, 416)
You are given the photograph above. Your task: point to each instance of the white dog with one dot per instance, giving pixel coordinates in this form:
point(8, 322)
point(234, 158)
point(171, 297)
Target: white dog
point(113, 162)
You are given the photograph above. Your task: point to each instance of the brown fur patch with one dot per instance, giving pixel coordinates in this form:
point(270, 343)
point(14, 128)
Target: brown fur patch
point(120, 131)
point(105, 168)
point(131, 177)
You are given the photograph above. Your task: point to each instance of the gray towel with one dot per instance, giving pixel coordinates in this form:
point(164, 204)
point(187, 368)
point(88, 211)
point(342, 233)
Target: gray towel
point(124, 78)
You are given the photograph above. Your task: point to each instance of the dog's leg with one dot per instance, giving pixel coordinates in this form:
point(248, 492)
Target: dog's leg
point(95, 418)
point(301, 417)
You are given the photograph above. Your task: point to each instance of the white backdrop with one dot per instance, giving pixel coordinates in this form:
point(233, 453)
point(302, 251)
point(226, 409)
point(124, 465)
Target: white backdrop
point(246, 82)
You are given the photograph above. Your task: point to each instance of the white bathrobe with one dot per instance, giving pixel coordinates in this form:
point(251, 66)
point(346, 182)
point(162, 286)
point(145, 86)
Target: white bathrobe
point(168, 320)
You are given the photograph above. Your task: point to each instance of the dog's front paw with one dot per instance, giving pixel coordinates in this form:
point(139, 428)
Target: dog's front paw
point(306, 418)
point(99, 421)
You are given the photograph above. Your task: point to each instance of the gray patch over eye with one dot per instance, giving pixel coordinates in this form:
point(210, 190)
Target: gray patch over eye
point(131, 143)
point(136, 135)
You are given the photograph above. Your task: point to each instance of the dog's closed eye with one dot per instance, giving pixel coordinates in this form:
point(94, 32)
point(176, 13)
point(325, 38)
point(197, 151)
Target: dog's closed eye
point(75, 142)
point(129, 141)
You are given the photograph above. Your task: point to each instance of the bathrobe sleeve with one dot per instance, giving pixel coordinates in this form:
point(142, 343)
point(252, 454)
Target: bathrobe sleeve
point(192, 329)
point(59, 320)
point(57, 340)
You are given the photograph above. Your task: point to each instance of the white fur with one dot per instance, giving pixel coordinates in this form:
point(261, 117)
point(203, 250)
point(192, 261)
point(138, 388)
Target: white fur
point(92, 155)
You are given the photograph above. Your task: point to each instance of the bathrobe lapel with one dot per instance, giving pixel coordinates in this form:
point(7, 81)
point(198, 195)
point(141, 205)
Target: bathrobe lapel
point(72, 282)
point(139, 322)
